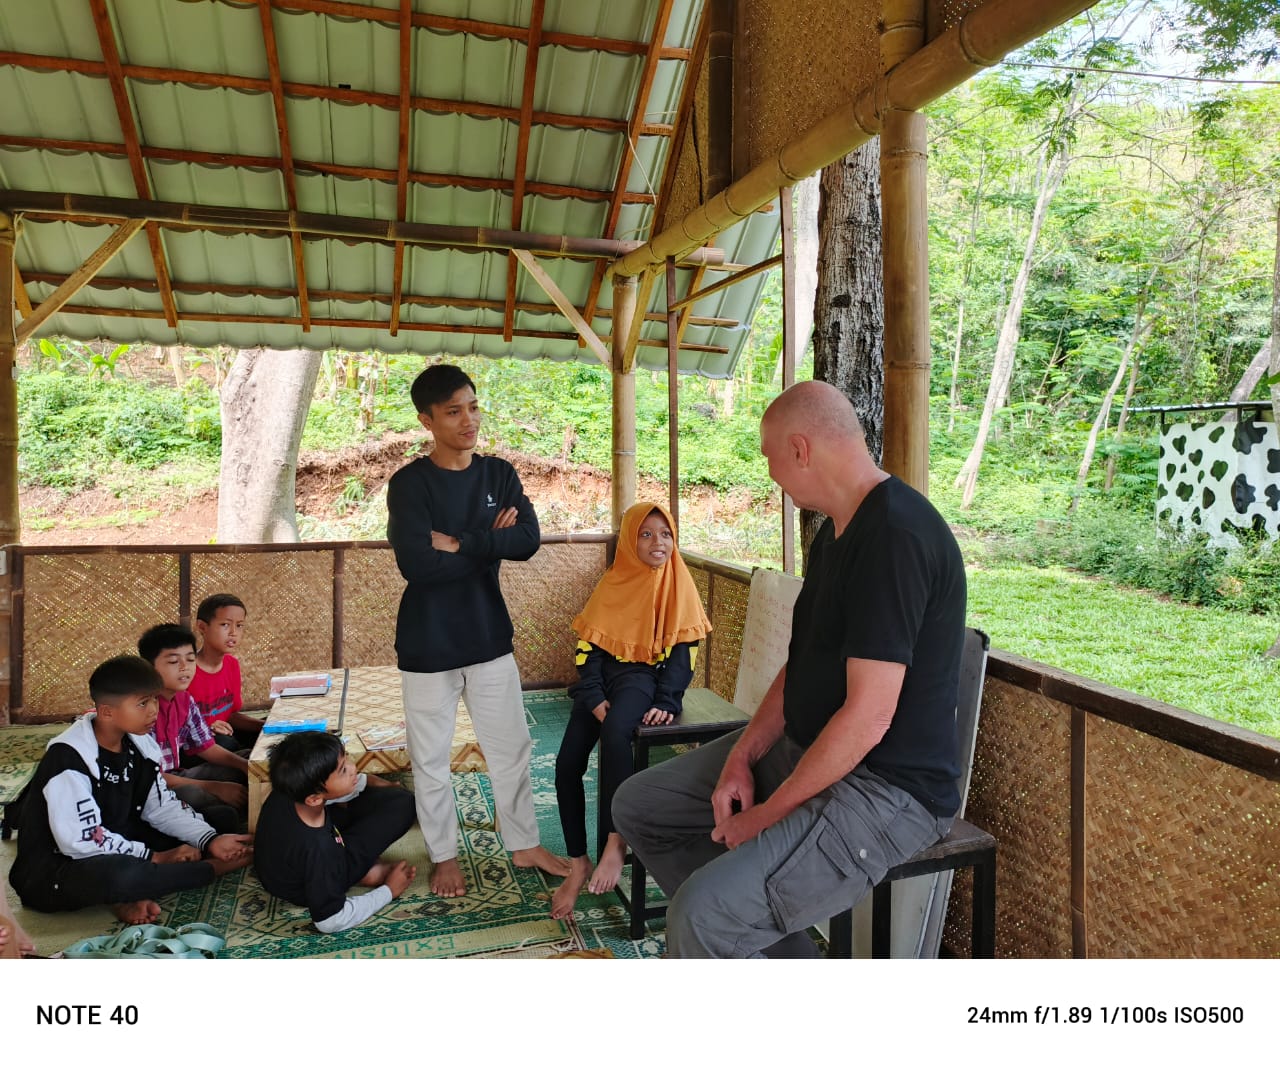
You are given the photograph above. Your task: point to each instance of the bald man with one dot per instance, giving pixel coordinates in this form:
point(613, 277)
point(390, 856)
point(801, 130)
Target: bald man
point(849, 765)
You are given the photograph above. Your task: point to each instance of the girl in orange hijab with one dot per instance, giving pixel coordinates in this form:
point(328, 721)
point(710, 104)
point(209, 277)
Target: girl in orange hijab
point(635, 657)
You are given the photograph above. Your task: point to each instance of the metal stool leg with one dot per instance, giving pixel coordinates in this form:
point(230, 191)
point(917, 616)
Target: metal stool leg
point(984, 907)
point(881, 920)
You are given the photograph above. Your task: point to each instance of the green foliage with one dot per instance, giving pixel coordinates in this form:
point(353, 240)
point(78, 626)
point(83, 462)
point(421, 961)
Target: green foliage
point(71, 428)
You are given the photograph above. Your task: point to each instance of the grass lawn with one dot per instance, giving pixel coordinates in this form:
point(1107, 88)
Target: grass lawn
point(1202, 659)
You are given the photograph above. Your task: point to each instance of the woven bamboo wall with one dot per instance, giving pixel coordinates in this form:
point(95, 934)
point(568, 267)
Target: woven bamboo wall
point(1186, 866)
point(77, 609)
point(1021, 793)
point(724, 590)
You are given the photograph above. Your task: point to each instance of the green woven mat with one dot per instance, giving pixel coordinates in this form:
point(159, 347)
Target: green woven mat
point(20, 750)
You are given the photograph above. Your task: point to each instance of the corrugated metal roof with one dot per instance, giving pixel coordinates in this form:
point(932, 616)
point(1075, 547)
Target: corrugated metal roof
point(197, 83)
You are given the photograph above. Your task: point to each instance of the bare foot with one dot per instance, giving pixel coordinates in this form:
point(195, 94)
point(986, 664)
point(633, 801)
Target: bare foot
point(377, 874)
point(447, 880)
point(609, 869)
point(136, 911)
point(541, 859)
point(563, 900)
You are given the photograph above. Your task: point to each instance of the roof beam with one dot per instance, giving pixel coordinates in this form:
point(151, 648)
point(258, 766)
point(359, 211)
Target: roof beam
point(449, 24)
point(378, 325)
point(532, 45)
point(737, 277)
point(124, 111)
point(680, 129)
point(424, 178)
point(93, 264)
point(402, 156)
point(562, 303)
point(240, 290)
point(286, 155)
point(389, 101)
point(94, 209)
point(628, 150)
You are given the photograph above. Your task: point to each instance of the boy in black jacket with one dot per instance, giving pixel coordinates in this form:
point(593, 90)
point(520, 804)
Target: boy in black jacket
point(452, 517)
point(99, 825)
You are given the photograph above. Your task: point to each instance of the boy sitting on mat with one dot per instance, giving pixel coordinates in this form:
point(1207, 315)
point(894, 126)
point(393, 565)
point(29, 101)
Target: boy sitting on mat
point(323, 828)
point(99, 825)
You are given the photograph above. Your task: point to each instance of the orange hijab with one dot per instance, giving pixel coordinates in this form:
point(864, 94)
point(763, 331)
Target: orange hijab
point(637, 611)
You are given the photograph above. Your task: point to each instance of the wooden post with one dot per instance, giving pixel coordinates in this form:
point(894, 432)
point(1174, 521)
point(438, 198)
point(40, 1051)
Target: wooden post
point(905, 242)
point(624, 400)
point(10, 525)
point(720, 95)
point(673, 396)
point(788, 356)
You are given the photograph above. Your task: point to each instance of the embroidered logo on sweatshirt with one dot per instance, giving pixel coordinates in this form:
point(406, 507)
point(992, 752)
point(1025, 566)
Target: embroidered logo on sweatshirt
point(490, 500)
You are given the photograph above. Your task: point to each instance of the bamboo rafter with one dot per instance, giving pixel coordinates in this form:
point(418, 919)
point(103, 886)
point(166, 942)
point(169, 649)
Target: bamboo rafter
point(308, 91)
point(274, 163)
point(532, 45)
point(402, 156)
point(628, 150)
point(114, 72)
point(286, 155)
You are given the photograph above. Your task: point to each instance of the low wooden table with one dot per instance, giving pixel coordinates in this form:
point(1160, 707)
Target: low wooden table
point(372, 702)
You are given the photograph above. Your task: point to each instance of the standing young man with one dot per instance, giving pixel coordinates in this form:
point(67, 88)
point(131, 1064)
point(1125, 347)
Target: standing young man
point(453, 516)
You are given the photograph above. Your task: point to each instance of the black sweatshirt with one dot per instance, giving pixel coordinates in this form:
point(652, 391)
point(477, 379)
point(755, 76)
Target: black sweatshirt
point(452, 613)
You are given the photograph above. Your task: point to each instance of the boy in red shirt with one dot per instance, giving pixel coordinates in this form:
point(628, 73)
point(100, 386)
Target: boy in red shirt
point(216, 685)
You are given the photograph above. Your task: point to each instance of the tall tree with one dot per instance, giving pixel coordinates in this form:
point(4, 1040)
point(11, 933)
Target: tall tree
point(848, 319)
point(265, 399)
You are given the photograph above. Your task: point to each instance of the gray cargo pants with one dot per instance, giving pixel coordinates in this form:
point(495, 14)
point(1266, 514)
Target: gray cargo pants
point(758, 899)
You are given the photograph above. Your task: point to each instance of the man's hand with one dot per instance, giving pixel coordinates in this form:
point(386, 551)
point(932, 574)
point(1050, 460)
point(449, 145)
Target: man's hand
point(221, 726)
point(230, 846)
point(441, 542)
point(655, 716)
point(506, 518)
point(228, 792)
point(401, 875)
point(600, 710)
point(181, 854)
point(735, 791)
point(742, 827)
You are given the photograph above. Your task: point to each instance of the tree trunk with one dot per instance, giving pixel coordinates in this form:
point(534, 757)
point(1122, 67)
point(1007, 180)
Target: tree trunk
point(176, 363)
point(1275, 328)
point(1124, 417)
point(1139, 332)
point(1010, 331)
point(848, 332)
point(265, 398)
point(955, 371)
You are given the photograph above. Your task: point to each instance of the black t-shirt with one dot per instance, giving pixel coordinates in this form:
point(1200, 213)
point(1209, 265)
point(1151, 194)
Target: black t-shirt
point(452, 613)
point(118, 801)
point(305, 865)
point(892, 589)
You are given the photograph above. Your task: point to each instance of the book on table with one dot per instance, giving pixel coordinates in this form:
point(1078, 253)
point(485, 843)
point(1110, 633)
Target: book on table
point(384, 738)
point(295, 725)
point(300, 685)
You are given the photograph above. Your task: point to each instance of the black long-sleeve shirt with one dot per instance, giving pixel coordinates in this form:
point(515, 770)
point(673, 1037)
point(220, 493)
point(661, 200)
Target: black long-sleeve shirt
point(672, 673)
point(452, 612)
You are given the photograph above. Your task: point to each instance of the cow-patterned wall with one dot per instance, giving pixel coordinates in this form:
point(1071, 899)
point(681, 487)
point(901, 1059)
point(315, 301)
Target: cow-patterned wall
point(1220, 478)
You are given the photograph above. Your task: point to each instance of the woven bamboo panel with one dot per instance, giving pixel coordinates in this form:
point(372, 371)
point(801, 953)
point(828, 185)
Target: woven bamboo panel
point(1182, 851)
point(802, 60)
point(701, 676)
point(728, 615)
point(1021, 793)
point(544, 595)
point(371, 587)
point(81, 609)
point(288, 597)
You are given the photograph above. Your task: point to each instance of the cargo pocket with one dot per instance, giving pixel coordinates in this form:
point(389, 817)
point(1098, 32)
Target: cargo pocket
point(822, 876)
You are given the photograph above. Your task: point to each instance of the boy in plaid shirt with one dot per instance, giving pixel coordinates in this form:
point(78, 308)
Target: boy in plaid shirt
point(216, 785)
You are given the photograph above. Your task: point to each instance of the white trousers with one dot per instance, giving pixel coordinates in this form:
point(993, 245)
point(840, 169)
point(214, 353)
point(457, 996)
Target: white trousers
point(492, 694)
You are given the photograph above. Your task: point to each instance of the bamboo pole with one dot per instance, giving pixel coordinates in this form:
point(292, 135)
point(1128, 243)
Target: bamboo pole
point(788, 359)
point(737, 277)
point(10, 524)
point(905, 258)
point(979, 40)
point(720, 117)
point(219, 217)
point(624, 402)
point(562, 302)
point(673, 397)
